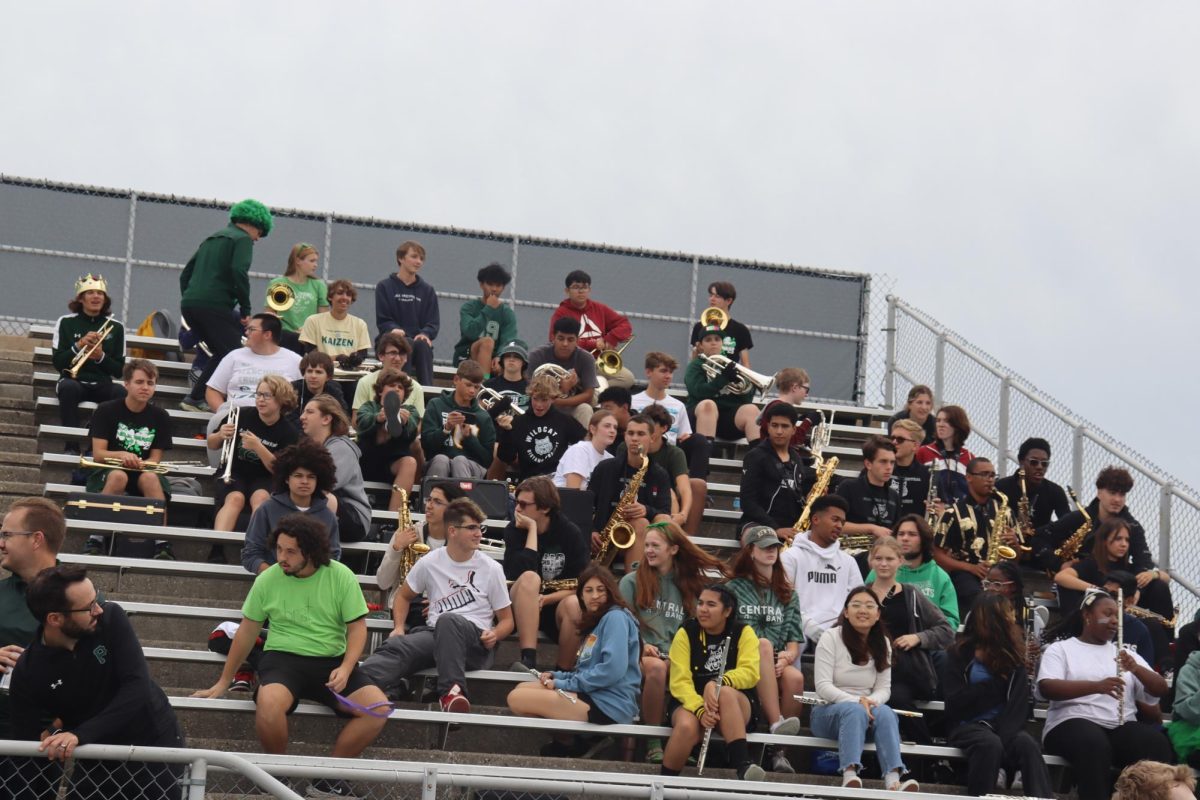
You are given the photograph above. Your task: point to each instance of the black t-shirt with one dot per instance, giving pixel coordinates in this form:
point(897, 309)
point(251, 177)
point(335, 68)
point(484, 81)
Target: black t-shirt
point(1047, 501)
point(736, 338)
point(912, 484)
point(928, 425)
point(970, 523)
point(895, 612)
point(610, 479)
point(563, 551)
point(876, 505)
point(247, 465)
point(136, 432)
point(538, 443)
point(513, 390)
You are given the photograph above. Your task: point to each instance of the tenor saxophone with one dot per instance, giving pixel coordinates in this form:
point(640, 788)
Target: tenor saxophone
point(619, 534)
point(825, 469)
point(1069, 549)
point(996, 548)
point(1024, 512)
point(410, 554)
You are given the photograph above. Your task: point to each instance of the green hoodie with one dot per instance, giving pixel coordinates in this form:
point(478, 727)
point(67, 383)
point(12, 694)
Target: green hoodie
point(218, 275)
point(435, 441)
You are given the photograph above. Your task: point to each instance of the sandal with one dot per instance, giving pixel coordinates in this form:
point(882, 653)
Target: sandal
point(654, 752)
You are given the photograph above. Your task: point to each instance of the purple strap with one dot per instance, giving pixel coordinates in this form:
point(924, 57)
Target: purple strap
point(370, 710)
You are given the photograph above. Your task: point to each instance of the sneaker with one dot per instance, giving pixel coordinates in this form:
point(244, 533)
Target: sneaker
point(778, 761)
point(787, 726)
point(391, 414)
point(243, 681)
point(892, 783)
point(195, 406)
point(751, 772)
point(216, 555)
point(93, 547)
point(162, 552)
point(521, 667)
point(454, 701)
point(1001, 780)
point(850, 779)
point(327, 788)
point(1018, 782)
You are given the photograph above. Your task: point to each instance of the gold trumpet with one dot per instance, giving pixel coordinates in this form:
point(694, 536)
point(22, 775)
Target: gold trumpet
point(714, 316)
point(281, 297)
point(157, 467)
point(608, 362)
point(85, 353)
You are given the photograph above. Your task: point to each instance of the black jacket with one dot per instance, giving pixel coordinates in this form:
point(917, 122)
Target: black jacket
point(1061, 529)
point(1048, 500)
point(609, 479)
point(912, 484)
point(772, 492)
point(563, 551)
point(965, 700)
point(877, 505)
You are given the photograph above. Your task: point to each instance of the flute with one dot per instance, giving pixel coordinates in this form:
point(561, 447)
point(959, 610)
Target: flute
point(1120, 645)
point(538, 677)
point(815, 701)
point(723, 655)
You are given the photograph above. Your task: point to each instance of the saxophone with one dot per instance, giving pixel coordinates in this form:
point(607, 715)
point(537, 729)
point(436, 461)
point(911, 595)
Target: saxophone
point(996, 548)
point(1069, 549)
point(619, 534)
point(1024, 512)
point(410, 554)
point(559, 584)
point(824, 468)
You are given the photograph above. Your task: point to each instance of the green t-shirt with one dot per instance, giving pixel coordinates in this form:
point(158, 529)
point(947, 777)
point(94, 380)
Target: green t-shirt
point(762, 611)
point(934, 583)
point(660, 622)
point(308, 615)
point(310, 295)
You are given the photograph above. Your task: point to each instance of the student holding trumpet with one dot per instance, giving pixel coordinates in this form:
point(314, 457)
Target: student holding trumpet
point(88, 351)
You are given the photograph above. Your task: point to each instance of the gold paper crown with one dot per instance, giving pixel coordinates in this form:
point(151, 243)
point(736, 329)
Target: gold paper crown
point(87, 283)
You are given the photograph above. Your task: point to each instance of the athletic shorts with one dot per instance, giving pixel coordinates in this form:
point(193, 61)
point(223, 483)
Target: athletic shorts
point(595, 715)
point(726, 429)
point(305, 677)
point(751, 723)
point(246, 487)
point(97, 476)
point(548, 621)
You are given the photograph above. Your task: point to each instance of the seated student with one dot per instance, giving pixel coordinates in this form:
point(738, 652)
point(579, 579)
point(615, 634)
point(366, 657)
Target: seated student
point(917, 631)
point(578, 386)
point(1078, 676)
point(469, 613)
point(309, 292)
point(318, 631)
point(1138, 637)
point(874, 506)
point(324, 422)
point(1184, 728)
point(717, 408)
point(1046, 498)
point(1005, 578)
point(818, 569)
point(910, 478)
point(697, 672)
point(793, 384)
point(387, 428)
point(407, 304)
point(574, 469)
point(543, 553)
point(947, 460)
point(597, 326)
point(853, 676)
point(79, 331)
point(738, 342)
point(1149, 780)
point(918, 408)
point(537, 440)
point(304, 475)
point(987, 701)
point(920, 571)
point(774, 483)
point(617, 400)
point(687, 509)
point(486, 322)
point(512, 382)
point(261, 432)
point(131, 430)
point(605, 681)
point(610, 480)
point(457, 435)
point(234, 379)
point(1110, 550)
point(337, 333)
point(767, 603)
point(392, 350)
point(317, 371)
point(660, 369)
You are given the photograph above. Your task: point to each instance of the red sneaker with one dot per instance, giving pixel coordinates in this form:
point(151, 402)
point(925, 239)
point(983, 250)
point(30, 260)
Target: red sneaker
point(243, 681)
point(455, 701)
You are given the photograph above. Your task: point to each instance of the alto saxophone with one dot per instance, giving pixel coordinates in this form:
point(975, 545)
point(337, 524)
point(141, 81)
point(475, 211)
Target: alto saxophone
point(1024, 512)
point(410, 554)
point(619, 534)
point(559, 584)
point(1147, 614)
point(824, 468)
point(1069, 549)
point(996, 548)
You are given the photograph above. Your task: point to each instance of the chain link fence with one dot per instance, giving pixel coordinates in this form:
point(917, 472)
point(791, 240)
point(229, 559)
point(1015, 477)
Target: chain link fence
point(1005, 409)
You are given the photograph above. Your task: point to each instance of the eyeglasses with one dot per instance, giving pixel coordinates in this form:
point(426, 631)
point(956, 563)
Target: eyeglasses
point(92, 605)
point(982, 474)
point(805, 386)
point(902, 439)
point(857, 606)
point(263, 395)
point(6, 535)
point(523, 504)
point(250, 329)
point(433, 501)
point(472, 528)
point(997, 585)
point(390, 353)
point(1038, 462)
point(579, 287)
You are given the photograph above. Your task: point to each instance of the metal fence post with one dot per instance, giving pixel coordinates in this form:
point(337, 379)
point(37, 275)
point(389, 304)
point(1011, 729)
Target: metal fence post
point(889, 370)
point(1002, 431)
point(328, 247)
point(133, 198)
point(939, 370)
point(692, 314)
point(1164, 526)
point(197, 779)
point(516, 257)
point(1077, 457)
point(429, 784)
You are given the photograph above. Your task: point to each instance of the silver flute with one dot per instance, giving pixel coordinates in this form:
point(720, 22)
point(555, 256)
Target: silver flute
point(816, 701)
point(537, 676)
point(724, 656)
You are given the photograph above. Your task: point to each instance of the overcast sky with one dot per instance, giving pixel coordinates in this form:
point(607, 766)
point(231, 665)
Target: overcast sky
point(1026, 172)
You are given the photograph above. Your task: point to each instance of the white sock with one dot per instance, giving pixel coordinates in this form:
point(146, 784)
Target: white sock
point(891, 779)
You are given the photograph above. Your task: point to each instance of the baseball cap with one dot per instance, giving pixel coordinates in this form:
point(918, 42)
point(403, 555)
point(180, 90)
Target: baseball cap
point(760, 536)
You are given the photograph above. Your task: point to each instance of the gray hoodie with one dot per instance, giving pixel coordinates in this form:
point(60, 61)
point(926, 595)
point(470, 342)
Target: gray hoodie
point(266, 518)
point(822, 576)
point(349, 486)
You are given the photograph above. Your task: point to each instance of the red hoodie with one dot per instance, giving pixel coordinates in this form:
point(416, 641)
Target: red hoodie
point(599, 326)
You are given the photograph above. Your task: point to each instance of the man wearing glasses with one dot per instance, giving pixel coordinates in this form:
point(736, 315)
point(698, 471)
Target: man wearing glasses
point(1047, 500)
point(910, 478)
point(85, 671)
point(598, 327)
point(30, 538)
point(469, 613)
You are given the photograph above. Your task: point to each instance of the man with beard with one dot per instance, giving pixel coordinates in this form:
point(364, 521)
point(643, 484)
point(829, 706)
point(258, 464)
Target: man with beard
point(85, 671)
point(318, 631)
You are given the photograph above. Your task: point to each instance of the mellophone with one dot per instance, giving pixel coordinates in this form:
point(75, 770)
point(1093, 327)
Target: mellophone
point(816, 701)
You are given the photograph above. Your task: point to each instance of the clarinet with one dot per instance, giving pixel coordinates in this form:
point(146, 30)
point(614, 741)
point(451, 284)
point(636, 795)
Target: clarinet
point(724, 654)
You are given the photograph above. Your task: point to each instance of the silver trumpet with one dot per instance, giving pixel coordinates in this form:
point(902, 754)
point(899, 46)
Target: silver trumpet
point(229, 446)
point(747, 378)
point(496, 404)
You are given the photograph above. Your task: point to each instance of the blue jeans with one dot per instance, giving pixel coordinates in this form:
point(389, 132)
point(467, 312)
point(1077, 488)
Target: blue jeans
point(848, 723)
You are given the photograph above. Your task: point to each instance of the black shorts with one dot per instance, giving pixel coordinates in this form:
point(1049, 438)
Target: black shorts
point(548, 622)
point(726, 429)
point(751, 695)
point(243, 485)
point(595, 715)
point(305, 677)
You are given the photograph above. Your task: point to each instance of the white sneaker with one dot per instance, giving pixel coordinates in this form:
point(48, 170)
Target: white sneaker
point(850, 779)
point(1001, 780)
point(1018, 784)
point(786, 726)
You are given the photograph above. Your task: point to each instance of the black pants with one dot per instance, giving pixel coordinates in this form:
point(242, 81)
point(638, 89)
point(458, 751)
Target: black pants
point(350, 528)
point(967, 587)
point(986, 754)
point(221, 332)
point(72, 392)
point(1094, 752)
point(420, 363)
point(697, 448)
point(39, 779)
point(1156, 596)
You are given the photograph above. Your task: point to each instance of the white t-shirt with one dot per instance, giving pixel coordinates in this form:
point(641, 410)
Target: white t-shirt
point(580, 459)
point(238, 375)
point(1074, 660)
point(680, 424)
point(336, 337)
point(473, 588)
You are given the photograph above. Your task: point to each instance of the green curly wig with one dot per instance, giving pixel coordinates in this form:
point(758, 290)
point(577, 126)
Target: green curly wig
point(253, 213)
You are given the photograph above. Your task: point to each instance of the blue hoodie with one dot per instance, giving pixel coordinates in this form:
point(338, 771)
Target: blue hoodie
point(266, 518)
point(609, 668)
point(413, 308)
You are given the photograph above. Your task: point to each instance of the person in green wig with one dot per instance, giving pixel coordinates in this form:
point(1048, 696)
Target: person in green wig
point(215, 281)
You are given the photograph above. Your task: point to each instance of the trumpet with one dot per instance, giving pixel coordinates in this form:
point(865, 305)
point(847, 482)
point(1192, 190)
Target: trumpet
point(157, 467)
point(496, 404)
point(229, 446)
point(714, 316)
point(85, 353)
point(281, 297)
point(608, 362)
point(746, 380)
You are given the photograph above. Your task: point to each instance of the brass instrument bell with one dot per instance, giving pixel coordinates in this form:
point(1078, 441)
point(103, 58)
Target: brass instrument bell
point(281, 297)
